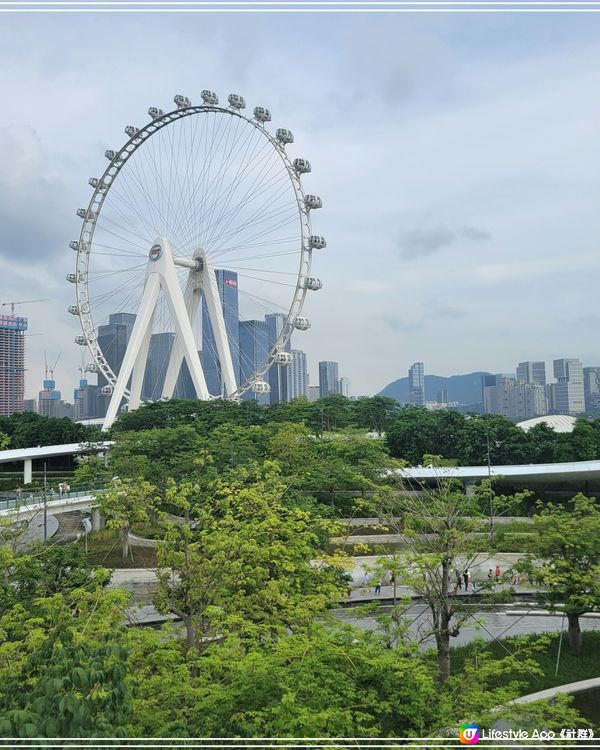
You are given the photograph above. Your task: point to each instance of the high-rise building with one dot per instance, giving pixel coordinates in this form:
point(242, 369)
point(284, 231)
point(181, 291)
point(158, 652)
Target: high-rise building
point(278, 375)
point(12, 364)
point(532, 372)
point(254, 349)
point(442, 396)
point(159, 353)
point(568, 392)
point(416, 384)
point(513, 399)
point(86, 401)
point(50, 403)
point(112, 340)
point(227, 284)
point(591, 387)
point(497, 391)
point(297, 376)
point(329, 381)
point(527, 400)
point(344, 387)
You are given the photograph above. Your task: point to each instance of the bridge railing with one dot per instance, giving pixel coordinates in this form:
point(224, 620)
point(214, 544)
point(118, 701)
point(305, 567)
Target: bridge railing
point(24, 499)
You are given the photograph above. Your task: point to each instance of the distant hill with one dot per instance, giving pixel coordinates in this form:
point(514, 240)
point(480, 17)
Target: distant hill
point(466, 389)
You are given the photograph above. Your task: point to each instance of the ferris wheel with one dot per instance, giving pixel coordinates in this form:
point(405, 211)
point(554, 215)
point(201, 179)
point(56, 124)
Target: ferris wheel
point(198, 239)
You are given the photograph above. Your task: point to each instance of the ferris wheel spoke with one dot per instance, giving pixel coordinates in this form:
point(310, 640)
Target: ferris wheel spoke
point(100, 275)
point(190, 165)
point(238, 268)
point(252, 229)
point(103, 220)
point(267, 306)
point(125, 220)
point(128, 198)
point(173, 159)
point(193, 227)
point(214, 188)
point(126, 240)
point(258, 211)
point(230, 212)
point(256, 221)
point(133, 188)
point(138, 174)
point(244, 160)
point(283, 241)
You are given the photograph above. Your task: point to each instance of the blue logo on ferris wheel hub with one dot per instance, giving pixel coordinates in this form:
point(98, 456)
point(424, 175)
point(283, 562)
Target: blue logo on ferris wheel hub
point(155, 252)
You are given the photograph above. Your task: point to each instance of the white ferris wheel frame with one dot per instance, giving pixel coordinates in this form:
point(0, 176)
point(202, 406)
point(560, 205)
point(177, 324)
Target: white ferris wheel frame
point(181, 305)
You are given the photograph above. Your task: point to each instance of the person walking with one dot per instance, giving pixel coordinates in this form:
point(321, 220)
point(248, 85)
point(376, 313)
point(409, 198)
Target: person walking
point(490, 576)
point(378, 587)
point(458, 579)
point(467, 578)
point(366, 579)
point(60, 489)
point(498, 574)
point(67, 488)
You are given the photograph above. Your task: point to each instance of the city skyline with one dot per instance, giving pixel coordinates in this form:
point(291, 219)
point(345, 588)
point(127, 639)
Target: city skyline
point(435, 101)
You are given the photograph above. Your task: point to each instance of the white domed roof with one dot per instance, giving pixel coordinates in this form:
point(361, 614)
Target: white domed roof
point(557, 422)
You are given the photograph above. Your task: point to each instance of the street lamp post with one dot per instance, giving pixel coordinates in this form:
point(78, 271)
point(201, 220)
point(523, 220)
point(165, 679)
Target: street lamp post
point(45, 506)
point(489, 464)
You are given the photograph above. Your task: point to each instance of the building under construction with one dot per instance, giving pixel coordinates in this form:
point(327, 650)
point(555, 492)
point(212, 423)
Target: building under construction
point(12, 363)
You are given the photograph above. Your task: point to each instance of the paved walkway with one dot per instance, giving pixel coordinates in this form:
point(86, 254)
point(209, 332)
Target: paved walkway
point(367, 594)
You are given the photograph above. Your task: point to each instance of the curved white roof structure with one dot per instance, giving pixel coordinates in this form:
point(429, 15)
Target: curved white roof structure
point(568, 471)
point(557, 422)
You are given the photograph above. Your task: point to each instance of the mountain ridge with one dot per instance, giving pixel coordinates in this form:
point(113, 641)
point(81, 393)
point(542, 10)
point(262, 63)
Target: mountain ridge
point(466, 389)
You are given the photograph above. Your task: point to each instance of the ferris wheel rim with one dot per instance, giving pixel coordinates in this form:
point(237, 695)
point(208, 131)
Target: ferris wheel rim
point(94, 209)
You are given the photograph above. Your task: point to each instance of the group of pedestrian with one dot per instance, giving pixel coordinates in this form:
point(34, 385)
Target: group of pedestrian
point(463, 577)
point(63, 488)
point(379, 581)
point(494, 576)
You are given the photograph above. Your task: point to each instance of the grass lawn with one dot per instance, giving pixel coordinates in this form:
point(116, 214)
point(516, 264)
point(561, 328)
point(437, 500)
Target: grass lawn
point(572, 668)
point(104, 548)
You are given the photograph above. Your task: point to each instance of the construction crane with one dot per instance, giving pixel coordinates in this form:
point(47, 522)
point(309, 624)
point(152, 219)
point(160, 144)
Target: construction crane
point(22, 302)
point(50, 369)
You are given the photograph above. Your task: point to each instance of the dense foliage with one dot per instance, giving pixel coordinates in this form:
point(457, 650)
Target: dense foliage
point(411, 433)
point(242, 501)
point(28, 430)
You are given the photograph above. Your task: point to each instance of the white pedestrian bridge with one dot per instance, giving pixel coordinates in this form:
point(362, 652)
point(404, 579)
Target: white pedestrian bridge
point(81, 498)
point(28, 455)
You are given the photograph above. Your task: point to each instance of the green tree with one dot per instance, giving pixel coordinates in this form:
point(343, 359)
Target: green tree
point(63, 667)
point(126, 502)
point(156, 454)
point(376, 413)
point(241, 560)
point(330, 681)
point(442, 535)
point(45, 570)
point(565, 561)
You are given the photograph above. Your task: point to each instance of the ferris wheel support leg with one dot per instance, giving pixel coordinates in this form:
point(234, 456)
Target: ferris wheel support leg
point(191, 298)
point(141, 326)
point(179, 315)
point(139, 369)
point(215, 313)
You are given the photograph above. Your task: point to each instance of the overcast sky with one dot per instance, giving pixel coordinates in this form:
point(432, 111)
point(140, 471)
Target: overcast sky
point(458, 158)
